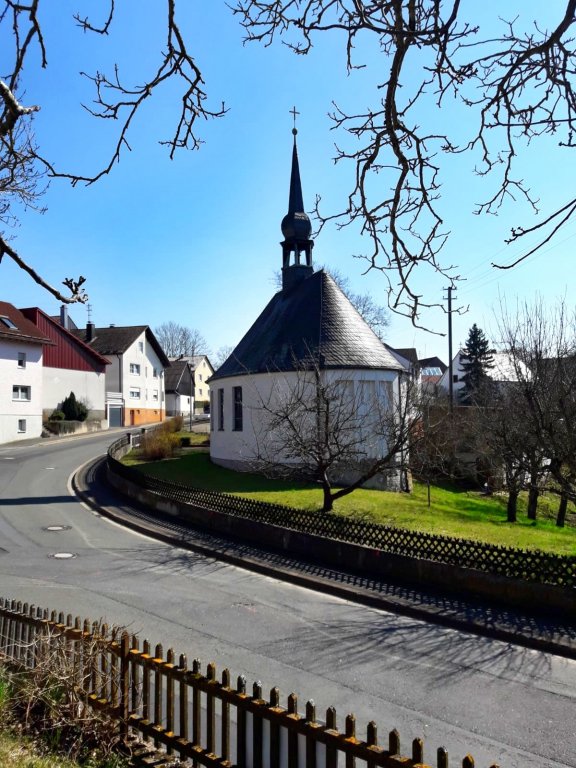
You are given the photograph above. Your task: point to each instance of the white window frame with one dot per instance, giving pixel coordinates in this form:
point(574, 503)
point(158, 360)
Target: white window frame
point(19, 389)
point(21, 426)
point(21, 360)
point(135, 393)
point(141, 346)
point(155, 373)
point(155, 395)
point(135, 369)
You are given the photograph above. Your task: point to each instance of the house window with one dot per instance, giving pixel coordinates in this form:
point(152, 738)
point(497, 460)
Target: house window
point(154, 394)
point(141, 346)
point(199, 391)
point(237, 405)
point(211, 411)
point(135, 369)
point(155, 372)
point(21, 393)
point(200, 376)
point(8, 323)
point(220, 409)
point(21, 425)
point(135, 393)
point(21, 359)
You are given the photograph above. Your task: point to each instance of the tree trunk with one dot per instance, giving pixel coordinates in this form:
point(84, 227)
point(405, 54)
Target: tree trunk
point(561, 517)
point(511, 506)
point(328, 501)
point(533, 495)
point(428, 488)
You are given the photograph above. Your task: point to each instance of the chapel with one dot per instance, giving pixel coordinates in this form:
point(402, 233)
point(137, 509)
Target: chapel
point(309, 323)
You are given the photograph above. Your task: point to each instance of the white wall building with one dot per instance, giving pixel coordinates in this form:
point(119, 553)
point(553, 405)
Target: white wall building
point(135, 392)
point(21, 348)
point(70, 365)
point(308, 326)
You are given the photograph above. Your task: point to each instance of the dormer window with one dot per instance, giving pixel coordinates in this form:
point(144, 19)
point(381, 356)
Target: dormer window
point(8, 323)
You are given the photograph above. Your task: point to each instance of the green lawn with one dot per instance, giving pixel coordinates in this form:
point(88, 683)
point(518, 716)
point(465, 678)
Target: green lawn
point(453, 511)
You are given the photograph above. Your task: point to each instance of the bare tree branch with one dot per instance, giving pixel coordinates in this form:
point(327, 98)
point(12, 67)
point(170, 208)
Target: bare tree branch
point(516, 84)
point(22, 164)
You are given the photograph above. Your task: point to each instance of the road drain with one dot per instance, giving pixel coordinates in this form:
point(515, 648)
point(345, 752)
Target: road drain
point(62, 555)
point(57, 528)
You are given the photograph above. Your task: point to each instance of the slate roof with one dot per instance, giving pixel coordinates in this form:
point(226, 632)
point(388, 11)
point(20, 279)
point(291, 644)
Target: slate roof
point(115, 340)
point(25, 330)
point(313, 319)
point(177, 379)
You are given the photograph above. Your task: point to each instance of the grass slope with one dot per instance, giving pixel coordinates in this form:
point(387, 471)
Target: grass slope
point(453, 511)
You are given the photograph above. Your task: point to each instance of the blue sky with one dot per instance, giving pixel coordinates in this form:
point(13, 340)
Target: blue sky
point(196, 239)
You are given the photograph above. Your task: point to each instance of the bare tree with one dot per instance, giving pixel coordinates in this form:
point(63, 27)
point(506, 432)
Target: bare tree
point(178, 340)
point(515, 80)
point(23, 166)
point(542, 345)
point(222, 354)
point(320, 426)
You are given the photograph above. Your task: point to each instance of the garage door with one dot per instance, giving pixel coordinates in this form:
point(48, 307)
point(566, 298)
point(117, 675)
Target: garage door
point(115, 415)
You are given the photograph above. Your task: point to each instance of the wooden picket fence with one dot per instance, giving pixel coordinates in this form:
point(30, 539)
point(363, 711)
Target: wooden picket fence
point(195, 717)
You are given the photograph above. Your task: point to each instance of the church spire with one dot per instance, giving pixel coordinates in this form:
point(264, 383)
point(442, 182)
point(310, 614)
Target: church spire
point(296, 228)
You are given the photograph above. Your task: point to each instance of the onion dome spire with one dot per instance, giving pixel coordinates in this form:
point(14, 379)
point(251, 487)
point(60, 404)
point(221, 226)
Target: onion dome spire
point(296, 227)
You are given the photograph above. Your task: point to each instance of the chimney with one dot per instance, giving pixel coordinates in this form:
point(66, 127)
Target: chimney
point(64, 316)
point(90, 331)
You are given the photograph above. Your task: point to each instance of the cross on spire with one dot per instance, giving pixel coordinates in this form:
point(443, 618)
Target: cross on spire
point(293, 112)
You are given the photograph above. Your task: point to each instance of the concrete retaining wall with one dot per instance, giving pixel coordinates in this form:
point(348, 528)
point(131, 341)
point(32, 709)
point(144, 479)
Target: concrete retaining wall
point(363, 560)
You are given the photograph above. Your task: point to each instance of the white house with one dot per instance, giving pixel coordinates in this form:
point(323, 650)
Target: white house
point(21, 350)
point(187, 388)
point(502, 371)
point(135, 392)
point(308, 325)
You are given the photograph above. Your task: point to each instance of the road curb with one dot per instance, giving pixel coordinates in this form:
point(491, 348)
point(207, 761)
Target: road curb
point(339, 584)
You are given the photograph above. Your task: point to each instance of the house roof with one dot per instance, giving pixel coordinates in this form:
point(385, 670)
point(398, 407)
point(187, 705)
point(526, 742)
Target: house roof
point(16, 327)
point(407, 354)
point(193, 360)
point(115, 340)
point(176, 378)
point(432, 362)
point(313, 319)
point(36, 315)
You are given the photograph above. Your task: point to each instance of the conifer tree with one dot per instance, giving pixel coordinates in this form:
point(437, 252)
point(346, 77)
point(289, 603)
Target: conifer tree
point(476, 361)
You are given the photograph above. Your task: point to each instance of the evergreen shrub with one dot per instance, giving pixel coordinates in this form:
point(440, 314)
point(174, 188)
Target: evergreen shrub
point(73, 409)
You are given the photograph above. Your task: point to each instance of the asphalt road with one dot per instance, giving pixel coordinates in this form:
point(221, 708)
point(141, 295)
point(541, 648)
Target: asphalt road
point(500, 702)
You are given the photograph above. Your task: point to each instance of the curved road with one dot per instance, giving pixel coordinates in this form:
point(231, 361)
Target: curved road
point(501, 703)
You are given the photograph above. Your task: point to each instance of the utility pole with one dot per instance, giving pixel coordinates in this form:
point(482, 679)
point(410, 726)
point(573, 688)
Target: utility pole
point(450, 366)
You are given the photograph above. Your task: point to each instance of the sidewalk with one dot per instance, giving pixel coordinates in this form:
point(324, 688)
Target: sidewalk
point(537, 632)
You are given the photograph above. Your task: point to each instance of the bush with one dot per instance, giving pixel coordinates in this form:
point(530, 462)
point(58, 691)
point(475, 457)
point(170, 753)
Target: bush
point(160, 444)
point(73, 409)
point(177, 423)
point(57, 415)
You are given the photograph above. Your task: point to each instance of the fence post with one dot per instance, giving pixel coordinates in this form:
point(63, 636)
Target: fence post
point(124, 685)
point(442, 757)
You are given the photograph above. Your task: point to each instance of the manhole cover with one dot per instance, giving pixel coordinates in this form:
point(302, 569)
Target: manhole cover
point(63, 555)
point(57, 528)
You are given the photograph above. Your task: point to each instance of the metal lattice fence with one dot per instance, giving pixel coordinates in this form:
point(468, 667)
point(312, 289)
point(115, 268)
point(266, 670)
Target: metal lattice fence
point(532, 566)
